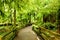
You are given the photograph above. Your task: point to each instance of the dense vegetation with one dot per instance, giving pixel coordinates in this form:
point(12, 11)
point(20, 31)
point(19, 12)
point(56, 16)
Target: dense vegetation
point(41, 13)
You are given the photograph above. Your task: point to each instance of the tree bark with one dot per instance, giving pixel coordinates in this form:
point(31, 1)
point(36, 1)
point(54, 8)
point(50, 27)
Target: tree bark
point(14, 18)
point(58, 21)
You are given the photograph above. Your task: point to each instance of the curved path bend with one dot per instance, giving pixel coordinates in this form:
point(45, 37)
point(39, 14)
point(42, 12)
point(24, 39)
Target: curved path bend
point(26, 34)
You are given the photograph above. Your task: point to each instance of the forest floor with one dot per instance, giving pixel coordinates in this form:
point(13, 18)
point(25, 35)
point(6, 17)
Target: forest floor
point(26, 34)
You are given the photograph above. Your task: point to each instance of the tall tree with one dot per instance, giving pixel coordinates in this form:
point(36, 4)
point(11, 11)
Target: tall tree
point(58, 20)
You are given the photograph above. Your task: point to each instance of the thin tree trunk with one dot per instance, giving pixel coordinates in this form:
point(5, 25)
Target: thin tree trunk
point(58, 21)
point(14, 18)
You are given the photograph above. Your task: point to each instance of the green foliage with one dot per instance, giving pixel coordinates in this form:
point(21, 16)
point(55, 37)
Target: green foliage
point(45, 33)
point(26, 6)
point(9, 36)
point(50, 26)
point(27, 11)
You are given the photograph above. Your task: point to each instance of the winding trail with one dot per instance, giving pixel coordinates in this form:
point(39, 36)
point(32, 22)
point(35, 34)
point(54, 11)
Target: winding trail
point(26, 34)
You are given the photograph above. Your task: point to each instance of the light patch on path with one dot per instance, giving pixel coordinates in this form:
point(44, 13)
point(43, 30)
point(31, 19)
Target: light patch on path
point(38, 38)
point(26, 34)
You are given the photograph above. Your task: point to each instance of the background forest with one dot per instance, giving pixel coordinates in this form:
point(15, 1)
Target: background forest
point(39, 13)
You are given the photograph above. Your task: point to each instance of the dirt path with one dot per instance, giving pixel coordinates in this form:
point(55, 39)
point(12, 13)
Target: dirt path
point(26, 34)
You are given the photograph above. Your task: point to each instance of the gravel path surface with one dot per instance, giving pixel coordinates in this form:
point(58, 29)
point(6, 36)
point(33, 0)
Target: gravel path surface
point(26, 34)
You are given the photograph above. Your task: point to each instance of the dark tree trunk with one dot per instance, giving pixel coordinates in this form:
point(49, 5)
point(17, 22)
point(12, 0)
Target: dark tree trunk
point(58, 21)
point(14, 18)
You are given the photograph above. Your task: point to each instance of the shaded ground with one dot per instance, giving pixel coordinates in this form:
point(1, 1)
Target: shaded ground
point(26, 34)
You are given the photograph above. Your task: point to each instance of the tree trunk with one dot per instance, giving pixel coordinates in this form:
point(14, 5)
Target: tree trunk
point(58, 21)
point(14, 18)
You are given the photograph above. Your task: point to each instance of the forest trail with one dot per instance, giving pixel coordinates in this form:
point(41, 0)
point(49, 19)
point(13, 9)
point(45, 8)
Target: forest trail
point(26, 34)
